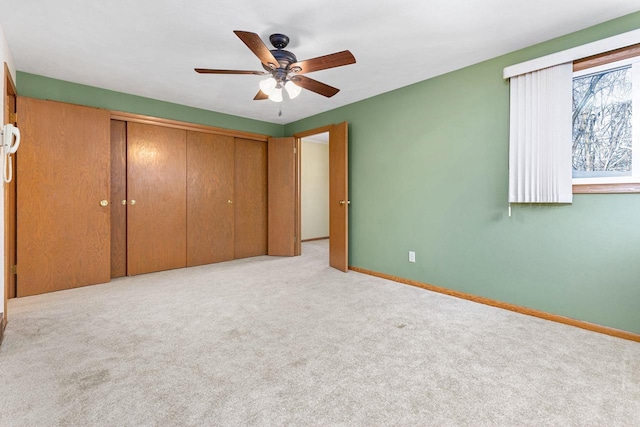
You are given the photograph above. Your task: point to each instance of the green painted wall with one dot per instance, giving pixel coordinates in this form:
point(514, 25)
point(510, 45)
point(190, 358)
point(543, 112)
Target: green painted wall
point(35, 86)
point(428, 172)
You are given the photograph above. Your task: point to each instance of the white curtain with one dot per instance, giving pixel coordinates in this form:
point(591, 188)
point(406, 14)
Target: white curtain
point(540, 136)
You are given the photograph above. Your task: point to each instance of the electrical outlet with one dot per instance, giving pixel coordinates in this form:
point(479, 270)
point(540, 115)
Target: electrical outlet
point(412, 256)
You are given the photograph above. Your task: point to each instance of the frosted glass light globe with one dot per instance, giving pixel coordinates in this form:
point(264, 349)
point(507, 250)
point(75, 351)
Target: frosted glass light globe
point(276, 95)
point(292, 89)
point(268, 86)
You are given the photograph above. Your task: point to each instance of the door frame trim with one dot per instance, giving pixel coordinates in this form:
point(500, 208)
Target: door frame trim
point(9, 215)
point(315, 131)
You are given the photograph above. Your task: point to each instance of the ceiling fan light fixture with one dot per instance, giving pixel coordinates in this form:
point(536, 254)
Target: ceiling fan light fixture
point(292, 89)
point(268, 86)
point(285, 70)
point(276, 95)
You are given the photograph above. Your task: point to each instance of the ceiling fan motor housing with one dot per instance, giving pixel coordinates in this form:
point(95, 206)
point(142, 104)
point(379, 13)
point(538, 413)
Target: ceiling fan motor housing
point(284, 57)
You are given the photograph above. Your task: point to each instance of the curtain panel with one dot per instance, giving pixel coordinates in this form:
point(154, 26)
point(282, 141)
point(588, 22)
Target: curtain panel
point(540, 136)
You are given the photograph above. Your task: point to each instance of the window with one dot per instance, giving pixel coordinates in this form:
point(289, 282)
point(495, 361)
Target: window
point(606, 136)
point(602, 93)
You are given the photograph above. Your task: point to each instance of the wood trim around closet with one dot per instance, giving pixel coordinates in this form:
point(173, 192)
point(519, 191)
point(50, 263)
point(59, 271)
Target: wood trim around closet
point(118, 198)
point(176, 124)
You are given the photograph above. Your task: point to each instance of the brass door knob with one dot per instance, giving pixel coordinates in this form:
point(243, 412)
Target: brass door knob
point(103, 203)
point(133, 202)
point(124, 202)
point(342, 202)
point(229, 201)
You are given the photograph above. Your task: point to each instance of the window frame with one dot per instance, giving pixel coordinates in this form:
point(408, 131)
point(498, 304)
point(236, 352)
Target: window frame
point(593, 62)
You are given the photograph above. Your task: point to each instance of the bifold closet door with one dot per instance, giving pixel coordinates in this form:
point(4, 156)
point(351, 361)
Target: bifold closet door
point(250, 221)
point(156, 191)
point(63, 219)
point(210, 198)
point(282, 196)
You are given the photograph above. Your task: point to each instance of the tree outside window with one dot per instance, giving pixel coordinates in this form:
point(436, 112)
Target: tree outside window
point(602, 124)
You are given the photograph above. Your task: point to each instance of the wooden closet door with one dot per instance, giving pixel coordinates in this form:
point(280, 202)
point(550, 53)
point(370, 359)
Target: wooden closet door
point(282, 160)
point(339, 197)
point(210, 212)
point(156, 188)
point(250, 235)
point(63, 237)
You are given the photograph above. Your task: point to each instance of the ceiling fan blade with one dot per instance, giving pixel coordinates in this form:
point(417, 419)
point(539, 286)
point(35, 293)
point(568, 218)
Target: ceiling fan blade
point(332, 60)
point(211, 71)
point(259, 49)
point(260, 96)
point(315, 86)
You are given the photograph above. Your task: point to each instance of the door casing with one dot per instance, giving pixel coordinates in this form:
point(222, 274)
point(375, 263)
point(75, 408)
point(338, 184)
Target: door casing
point(10, 103)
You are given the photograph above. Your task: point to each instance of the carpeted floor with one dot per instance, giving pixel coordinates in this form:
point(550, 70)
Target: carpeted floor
point(290, 341)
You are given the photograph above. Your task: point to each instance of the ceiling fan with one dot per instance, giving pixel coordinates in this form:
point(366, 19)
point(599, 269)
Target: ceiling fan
point(284, 68)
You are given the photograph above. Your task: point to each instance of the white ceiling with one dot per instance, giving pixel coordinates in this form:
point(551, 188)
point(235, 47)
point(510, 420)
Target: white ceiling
point(150, 47)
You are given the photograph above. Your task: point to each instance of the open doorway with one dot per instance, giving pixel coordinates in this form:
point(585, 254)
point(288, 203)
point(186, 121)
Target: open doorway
point(338, 192)
point(314, 187)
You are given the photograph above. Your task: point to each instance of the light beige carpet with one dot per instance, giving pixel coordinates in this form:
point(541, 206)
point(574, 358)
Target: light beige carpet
point(290, 341)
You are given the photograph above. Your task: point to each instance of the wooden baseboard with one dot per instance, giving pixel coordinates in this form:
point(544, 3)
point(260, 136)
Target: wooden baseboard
point(314, 239)
point(507, 306)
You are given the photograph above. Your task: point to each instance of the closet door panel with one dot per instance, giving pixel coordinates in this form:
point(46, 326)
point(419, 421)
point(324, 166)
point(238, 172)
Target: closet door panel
point(250, 202)
point(282, 190)
point(210, 212)
point(63, 238)
point(156, 190)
